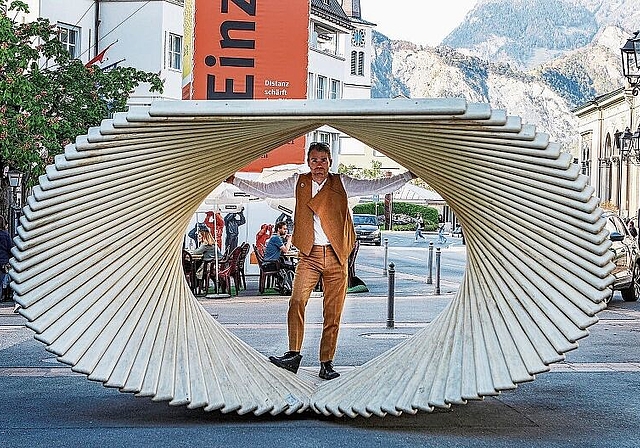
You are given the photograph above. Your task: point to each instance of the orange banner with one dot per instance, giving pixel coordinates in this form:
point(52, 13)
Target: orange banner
point(251, 49)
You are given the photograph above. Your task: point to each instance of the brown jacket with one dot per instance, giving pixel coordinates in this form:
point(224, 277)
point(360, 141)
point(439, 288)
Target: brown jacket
point(331, 205)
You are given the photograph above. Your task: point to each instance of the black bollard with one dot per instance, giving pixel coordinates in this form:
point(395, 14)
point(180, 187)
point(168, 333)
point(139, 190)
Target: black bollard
point(430, 264)
point(390, 298)
point(437, 289)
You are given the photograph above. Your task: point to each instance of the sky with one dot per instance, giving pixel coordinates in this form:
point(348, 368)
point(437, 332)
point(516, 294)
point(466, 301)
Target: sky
point(424, 22)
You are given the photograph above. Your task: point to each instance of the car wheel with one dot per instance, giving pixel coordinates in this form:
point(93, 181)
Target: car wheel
point(631, 293)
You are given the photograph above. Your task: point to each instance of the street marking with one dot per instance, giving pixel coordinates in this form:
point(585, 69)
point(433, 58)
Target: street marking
point(38, 372)
point(563, 367)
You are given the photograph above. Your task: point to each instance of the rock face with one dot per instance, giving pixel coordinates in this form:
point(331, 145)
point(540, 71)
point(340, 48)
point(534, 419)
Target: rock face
point(527, 33)
point(548, 58)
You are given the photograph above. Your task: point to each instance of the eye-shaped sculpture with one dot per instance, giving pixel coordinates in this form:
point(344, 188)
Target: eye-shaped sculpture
point(97, 264)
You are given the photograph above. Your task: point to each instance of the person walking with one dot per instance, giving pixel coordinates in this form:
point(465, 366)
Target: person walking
point(441, 238)
point(419, 223)
point(325, 236)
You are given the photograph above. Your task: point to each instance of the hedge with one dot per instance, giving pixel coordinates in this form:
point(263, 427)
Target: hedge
point(429, 214)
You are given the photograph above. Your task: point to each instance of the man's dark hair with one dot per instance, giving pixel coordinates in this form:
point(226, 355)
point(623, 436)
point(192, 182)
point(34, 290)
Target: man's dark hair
point(319, 146)
point(280, 225)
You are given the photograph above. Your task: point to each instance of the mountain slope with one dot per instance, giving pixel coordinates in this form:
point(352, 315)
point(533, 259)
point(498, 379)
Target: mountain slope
point(537, 31)
point(417, 72)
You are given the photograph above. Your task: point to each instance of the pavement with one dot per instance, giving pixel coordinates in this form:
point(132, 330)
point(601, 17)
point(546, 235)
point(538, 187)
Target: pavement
point(590, 400)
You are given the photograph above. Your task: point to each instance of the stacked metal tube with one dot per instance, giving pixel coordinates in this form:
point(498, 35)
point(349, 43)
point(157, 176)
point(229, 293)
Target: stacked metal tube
point(97, 266)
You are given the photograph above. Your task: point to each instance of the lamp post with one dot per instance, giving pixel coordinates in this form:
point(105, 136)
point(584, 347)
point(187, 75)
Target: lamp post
point(15, 182)
point(631, 62)
point(629, 145)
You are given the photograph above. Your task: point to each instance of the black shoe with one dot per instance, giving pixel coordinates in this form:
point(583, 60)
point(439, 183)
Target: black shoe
point(327, 372)
point(289, 361)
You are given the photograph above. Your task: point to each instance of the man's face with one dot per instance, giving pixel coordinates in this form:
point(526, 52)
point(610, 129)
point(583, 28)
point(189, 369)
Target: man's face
point(283, 231)
point(319, 163)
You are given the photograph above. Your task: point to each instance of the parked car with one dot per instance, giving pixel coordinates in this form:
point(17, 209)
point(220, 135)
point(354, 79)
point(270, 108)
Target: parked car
point(366, 227)
point(626, 257)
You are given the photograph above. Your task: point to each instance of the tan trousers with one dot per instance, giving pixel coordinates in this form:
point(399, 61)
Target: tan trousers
point(322, 261)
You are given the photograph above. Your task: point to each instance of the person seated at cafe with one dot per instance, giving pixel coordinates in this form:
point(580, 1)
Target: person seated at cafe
point(274, 258)
point(207, 249)
point(278, 245)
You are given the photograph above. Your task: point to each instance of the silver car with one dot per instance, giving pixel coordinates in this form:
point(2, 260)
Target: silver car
point(366, 227)
point(626, 257)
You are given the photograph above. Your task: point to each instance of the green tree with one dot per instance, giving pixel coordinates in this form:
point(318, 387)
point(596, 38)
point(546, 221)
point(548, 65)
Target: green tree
point(47, 98)
point(375, 172)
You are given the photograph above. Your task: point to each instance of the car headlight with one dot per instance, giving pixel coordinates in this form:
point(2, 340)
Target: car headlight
point(375, 233)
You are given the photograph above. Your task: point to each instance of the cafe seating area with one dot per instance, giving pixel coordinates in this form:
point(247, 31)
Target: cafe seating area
point(227, 277)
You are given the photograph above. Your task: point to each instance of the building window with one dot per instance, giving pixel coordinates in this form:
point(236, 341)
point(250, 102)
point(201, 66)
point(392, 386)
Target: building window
point(586, 160)
point(69, 35)
point(324, 39)
point(354, 62)
point(324, 137)
point(361, 63)
point(321, 88)
point(311, 86)
point(334, 93)
point(175, 51)
point(605, 172)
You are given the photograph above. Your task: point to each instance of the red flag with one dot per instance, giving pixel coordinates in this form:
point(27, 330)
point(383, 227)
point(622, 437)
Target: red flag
point(99, 57)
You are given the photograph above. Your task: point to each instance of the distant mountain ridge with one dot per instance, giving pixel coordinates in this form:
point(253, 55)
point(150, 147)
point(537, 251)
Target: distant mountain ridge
point(527, 33)
point(585, 44)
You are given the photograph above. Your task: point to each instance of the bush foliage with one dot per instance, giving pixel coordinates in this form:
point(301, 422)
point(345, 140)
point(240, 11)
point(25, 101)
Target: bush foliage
point(429, 214)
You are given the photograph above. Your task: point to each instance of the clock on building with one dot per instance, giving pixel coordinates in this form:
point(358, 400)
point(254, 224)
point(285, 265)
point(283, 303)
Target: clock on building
point(357, 38)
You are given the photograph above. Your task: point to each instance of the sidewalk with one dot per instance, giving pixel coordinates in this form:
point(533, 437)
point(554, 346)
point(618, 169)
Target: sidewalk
point(591, 400)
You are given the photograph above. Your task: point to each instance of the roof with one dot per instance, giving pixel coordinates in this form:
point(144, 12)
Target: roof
point(414, 193)
point(331, 11)
point(599, 100)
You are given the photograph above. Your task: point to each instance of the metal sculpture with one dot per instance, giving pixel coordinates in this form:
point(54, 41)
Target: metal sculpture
point(98, 273)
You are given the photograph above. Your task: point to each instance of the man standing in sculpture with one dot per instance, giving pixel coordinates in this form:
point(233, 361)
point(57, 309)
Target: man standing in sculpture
point(325, 236)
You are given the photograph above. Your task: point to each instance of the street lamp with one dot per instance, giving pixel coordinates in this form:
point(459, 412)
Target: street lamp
point(15, 182)
point(15, 178)
point(629, 145)
point(631, 62)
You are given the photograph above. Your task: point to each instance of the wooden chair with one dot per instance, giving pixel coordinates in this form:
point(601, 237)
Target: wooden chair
point(189, 270)
point(267, 276)
point(227, 270)
point(242, 281)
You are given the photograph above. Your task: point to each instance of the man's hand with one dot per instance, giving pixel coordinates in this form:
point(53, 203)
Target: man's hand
point(230, 179)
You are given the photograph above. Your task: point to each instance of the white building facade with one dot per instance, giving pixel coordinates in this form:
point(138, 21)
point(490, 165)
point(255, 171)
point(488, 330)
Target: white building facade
point(615, 178)
point(146, 35)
